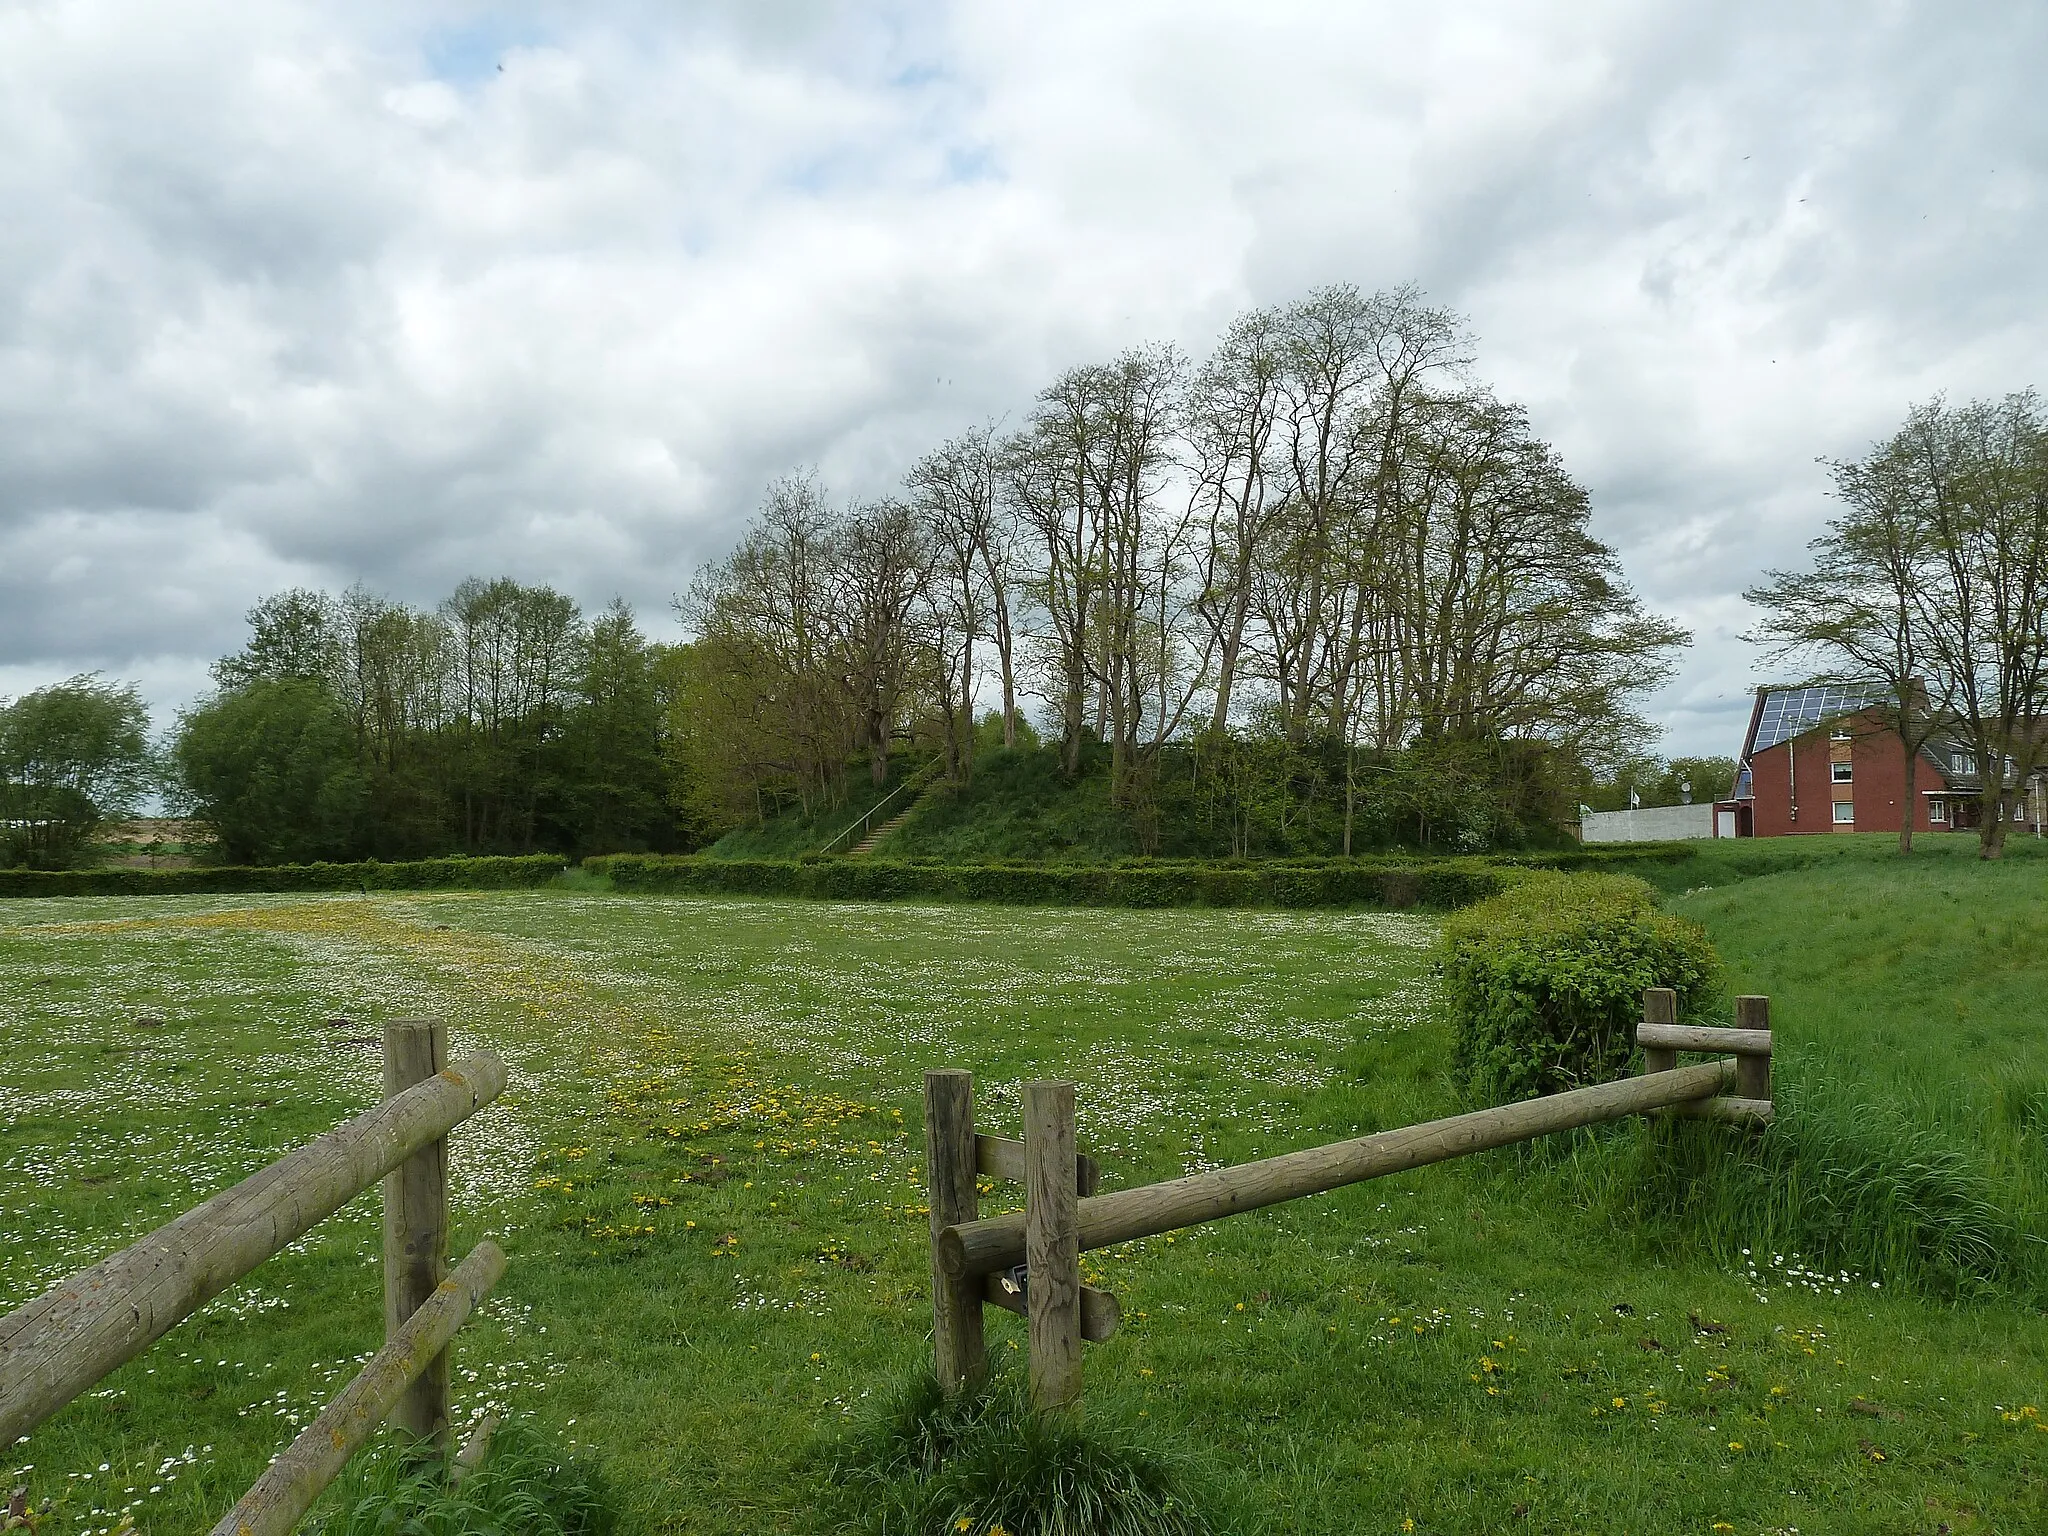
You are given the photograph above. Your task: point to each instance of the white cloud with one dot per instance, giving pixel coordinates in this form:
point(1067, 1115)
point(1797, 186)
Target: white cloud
point(325, 293)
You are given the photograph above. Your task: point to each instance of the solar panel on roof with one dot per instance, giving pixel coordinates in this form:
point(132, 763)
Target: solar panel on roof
point(1790, 712)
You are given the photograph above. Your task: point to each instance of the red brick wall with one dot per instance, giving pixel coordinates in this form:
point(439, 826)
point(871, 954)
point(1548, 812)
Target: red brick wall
point(1878, 787)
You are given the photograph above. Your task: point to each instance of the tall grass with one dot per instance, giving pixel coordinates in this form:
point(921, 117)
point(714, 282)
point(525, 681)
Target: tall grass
point(1842, 1183)
point(981, 1463)
point(525, 1487)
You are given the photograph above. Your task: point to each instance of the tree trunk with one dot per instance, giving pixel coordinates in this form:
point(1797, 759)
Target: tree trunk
point(1911, 803)
point(1990, 820)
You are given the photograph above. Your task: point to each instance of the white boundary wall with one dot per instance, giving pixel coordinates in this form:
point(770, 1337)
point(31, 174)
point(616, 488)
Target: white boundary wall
point(1652, 824)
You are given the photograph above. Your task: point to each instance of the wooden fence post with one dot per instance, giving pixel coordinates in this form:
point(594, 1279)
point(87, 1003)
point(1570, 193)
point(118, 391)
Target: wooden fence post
point(1052, 1245)
point(1660, 1006)
point(958, 1354)
point(416, 1226)
point(1753, 1073)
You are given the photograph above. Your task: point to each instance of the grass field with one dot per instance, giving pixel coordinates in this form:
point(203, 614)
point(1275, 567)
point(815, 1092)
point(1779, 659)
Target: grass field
point(706, 1175)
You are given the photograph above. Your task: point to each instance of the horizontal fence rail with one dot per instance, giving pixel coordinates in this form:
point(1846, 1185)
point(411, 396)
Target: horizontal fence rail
point(1704, 1037)
point(286, 1490)
point(975, 1261)
point(60, 1344)
point(996, 1242)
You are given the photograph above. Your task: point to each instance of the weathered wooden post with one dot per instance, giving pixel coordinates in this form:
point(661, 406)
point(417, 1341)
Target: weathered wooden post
point(1052, 1245)
point(1660, 1006)
point(958, 1353)
point(1753, 1070)
point(416, 1226)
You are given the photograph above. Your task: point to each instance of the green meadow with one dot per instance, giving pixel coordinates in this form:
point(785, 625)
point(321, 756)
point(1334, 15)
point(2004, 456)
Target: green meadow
point(706, 1173)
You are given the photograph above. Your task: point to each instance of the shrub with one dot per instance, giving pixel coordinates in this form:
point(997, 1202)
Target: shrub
point(491, 874)
point(1440, 884)
point(1545, 981)
point(929, 1465)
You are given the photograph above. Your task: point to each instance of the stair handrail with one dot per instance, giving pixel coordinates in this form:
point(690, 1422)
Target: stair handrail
point(916, 780)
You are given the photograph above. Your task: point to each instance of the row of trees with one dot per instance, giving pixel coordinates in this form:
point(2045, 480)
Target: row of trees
point(1319, 589)
point(1933, 582)
point(502, 722)
point(1324, 532)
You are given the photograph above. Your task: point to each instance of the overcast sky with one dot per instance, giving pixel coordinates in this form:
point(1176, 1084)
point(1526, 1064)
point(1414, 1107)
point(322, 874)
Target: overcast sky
point(402, 293)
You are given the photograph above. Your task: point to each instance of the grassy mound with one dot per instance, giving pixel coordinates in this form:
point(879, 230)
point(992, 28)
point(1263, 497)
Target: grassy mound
point(983, 1463)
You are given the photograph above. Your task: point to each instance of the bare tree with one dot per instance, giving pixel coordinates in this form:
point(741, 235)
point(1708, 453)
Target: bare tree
point(1857, 612)
point(973, 547)
point(883, 567)
point(1979, 476)
point(1233, 408)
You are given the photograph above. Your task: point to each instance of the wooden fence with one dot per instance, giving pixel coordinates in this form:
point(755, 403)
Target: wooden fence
point(1030, 1261)
point(66, 1340)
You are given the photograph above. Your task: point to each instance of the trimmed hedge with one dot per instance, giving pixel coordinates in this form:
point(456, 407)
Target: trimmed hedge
point(1601, 856)
point(1545, 981)
point(1440, 884)
point(418, 874)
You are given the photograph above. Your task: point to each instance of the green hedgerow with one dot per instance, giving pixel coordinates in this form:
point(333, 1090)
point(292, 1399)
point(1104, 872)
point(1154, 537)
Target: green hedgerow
point(1545, 981)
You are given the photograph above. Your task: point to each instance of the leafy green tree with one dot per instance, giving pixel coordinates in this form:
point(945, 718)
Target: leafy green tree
point(271, 769)
point(291, 634)
point(614, 782)
point(1647, 781)
point(72, 756)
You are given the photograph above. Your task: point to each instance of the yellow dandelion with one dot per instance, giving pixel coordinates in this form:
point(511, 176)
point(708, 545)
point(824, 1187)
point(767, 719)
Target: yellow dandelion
point(1734, 1445)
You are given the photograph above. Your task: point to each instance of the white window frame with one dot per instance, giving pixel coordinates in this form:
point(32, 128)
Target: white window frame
point(1848, 820)
point(1841, 773)
point(1937, 811)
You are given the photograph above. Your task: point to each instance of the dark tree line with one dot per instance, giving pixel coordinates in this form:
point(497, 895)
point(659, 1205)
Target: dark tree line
point(505, 721)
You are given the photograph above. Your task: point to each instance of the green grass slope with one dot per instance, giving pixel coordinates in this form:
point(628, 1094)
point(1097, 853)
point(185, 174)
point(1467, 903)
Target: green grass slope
point(794, 833)
point(1909, 1001)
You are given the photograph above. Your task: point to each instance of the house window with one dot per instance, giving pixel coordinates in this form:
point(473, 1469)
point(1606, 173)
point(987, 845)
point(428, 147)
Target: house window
point(1937, 811)
point(1841, 773)
point(1845, 812)
point(1965, 763)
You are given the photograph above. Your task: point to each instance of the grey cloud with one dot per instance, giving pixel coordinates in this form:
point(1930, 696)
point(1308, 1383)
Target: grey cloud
point(322, 294)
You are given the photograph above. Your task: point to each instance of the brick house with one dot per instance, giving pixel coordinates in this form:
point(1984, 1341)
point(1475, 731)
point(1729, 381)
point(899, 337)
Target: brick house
point(1819, 759)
